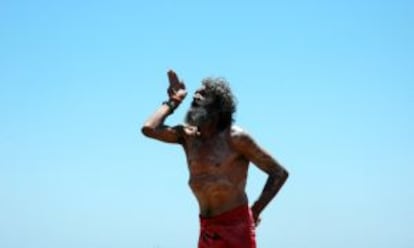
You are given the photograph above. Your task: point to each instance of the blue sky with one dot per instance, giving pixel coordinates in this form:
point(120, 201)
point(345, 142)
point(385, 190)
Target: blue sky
point(326, 86)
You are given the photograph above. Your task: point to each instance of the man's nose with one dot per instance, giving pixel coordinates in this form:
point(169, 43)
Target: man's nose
point(197, 96)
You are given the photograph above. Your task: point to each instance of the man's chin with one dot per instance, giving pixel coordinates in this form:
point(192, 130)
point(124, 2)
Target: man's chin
point(195, 122)
point(196, 117)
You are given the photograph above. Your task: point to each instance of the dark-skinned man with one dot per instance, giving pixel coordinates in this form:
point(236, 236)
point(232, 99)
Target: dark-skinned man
point(218, 155)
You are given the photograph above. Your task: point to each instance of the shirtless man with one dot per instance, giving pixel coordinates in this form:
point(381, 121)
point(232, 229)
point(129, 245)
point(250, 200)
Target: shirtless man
point(218, 154)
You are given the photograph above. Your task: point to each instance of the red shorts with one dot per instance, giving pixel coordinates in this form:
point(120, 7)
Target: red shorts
point(233, 229)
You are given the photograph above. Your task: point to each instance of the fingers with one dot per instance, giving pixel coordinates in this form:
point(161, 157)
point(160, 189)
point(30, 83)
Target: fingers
point(173, 78)
point(170, 91)
point(175, 83)
point(257, 221)
point(192, 131)
point(182, 85)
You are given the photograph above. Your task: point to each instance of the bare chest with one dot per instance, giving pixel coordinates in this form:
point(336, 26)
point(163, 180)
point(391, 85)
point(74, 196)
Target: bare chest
point(209, 156)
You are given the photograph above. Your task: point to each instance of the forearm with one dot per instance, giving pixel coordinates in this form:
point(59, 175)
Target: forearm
point(154, 127)
point(156, 121)
point(158, 117)
point(273, 184)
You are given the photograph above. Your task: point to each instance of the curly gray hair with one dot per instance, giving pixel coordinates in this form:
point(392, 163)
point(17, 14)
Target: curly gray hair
point(225, 101)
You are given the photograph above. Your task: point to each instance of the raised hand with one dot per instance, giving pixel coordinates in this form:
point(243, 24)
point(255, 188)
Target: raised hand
point(176, 90)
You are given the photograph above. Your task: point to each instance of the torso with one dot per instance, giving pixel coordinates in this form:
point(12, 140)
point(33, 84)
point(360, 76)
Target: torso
point(217, 173)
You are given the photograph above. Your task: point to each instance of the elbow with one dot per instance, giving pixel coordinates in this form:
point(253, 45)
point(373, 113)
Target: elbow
point(285, 174)
point(282, 174)
point(147, 131)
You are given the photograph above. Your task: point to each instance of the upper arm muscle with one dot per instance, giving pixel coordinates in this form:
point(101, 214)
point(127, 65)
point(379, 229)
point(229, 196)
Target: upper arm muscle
point(248, 147)
point(165, 133)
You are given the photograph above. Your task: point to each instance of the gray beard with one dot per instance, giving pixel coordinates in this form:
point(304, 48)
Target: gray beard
point(196, 116)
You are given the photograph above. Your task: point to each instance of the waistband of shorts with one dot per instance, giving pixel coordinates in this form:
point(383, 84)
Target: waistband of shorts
point(237, 213)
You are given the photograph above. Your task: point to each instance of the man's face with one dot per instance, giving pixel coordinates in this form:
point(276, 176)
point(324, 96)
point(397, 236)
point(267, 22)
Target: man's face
point(202, 98)
point(201, 107)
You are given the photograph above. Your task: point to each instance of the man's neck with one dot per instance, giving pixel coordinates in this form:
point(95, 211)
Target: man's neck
point(208, 129)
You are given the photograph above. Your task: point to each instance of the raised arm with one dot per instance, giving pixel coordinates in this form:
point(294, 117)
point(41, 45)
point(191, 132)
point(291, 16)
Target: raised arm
point(154, 127)
point(277, 175)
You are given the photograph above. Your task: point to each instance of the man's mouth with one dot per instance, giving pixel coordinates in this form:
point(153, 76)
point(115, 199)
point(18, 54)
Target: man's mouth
point(194, 104)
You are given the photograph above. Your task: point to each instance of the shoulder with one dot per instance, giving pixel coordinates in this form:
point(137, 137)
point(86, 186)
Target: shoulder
point(240, 138)
point(237, 132)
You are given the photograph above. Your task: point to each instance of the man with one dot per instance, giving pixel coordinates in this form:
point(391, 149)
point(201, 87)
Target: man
point(218, 154)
